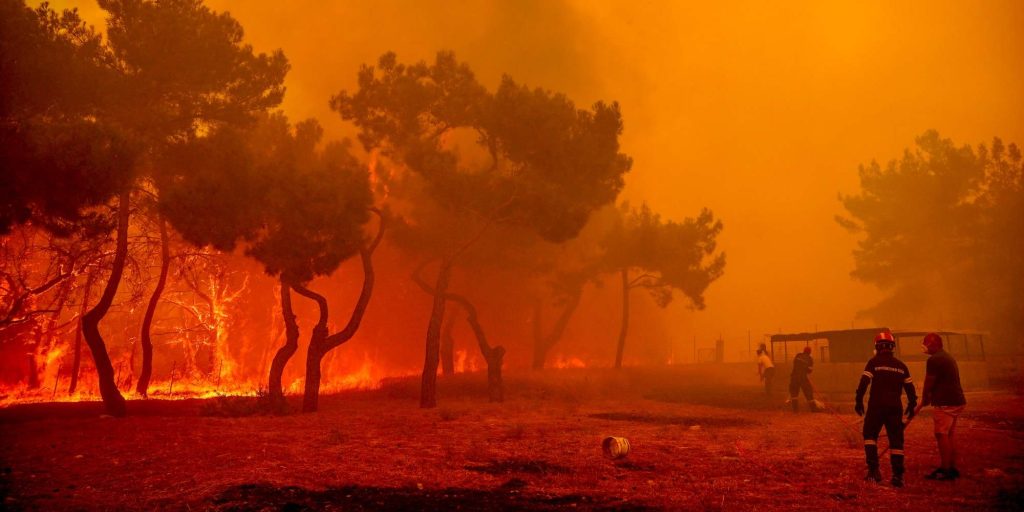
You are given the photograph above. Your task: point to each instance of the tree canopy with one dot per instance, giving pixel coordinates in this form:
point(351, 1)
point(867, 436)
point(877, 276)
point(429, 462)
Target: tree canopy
point(670, 255)
point(941, 234)
point(299, 209)
point(532, 157)
point(59, 156)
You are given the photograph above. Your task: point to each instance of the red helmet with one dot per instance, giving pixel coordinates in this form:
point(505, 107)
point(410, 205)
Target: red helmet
point(884, 340)
point(932, 341)
point(807, 350)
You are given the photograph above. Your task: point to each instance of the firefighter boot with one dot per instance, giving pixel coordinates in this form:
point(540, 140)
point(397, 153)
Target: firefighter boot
point(871, 455)
point(896, 459)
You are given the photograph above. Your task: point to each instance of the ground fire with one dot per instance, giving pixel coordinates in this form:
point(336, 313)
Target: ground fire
point(510, 255)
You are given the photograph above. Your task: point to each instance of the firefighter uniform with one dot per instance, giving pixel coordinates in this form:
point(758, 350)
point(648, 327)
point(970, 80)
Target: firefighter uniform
point(799, 380)
point(888, 378)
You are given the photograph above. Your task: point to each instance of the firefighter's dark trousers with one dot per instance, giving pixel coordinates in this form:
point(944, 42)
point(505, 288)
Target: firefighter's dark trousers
point(800, 384)
point(892, 419)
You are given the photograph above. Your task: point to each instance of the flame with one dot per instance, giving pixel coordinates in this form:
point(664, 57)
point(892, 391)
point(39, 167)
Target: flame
point(54, 355)
point(378, 176)
point(185, 385)
point(568, 362)
point(465, 363)
point(366, 377)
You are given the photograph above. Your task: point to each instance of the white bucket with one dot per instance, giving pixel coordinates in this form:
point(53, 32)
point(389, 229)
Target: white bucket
point(615, 447)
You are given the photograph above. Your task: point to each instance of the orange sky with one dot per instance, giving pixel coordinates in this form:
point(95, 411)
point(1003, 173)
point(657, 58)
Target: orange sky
point(760, 112)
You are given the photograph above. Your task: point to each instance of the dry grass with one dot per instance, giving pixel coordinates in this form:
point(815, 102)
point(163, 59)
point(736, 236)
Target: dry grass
point(539, 450)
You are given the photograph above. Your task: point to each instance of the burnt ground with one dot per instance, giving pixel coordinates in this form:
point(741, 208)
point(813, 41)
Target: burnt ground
point(541, 450)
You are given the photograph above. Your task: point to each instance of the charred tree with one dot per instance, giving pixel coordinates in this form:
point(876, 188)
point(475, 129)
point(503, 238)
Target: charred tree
point(142, 387)
point(494, 356)
point(112, 399)
point(315, 352)
point(625, 318)
point(543, 344)
point(321, 342)
point(447, 349)
point(291, 344)
point(428, 382)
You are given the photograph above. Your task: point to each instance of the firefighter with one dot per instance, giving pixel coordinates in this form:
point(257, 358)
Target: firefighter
point(800, 380)
point(888, 378)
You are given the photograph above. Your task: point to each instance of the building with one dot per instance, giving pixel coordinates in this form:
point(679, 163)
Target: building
point(840, 355)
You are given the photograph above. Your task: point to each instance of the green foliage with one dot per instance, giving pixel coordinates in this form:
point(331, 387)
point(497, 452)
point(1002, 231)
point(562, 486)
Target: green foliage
point(57, 159)
point(925, 199)
point(80, 118)
point(298, 208)
point(186, 67)
point(671, 255)
point(942, 230)
point(545, 166)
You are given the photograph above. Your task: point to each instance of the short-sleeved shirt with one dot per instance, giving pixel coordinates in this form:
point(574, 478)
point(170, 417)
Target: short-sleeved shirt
point(802, 365)
point(946, 389)
point(766, 361)
point(888, 375)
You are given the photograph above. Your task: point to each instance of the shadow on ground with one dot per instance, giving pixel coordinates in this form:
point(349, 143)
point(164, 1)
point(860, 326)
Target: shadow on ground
point(505, 467)
point(265, 497)
point(664, 419)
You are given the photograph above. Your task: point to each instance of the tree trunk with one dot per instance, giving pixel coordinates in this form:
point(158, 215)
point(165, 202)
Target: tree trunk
point(112, 399)
point(76, 361)
point(495, 386)
point(544, 344)
point(493, 355)
point(315, 353)
point(314, 358)
point(322, 343)
point(142, 387)
point(447, 349)
point(291, 344)
point(428, 383)
point(625, 318)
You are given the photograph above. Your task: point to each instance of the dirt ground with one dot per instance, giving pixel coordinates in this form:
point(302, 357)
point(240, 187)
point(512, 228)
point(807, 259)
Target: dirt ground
point(694, 446)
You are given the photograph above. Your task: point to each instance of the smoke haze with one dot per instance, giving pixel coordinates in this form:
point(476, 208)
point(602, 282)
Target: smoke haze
point(760, 112)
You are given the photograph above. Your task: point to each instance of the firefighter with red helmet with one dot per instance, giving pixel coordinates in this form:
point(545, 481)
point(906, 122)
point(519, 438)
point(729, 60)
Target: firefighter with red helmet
point(888, 378)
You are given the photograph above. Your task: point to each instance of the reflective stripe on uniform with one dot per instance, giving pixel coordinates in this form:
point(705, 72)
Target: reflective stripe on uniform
point(895, 452)
point(908, 380)
point(870, 442)
point(868, 374)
